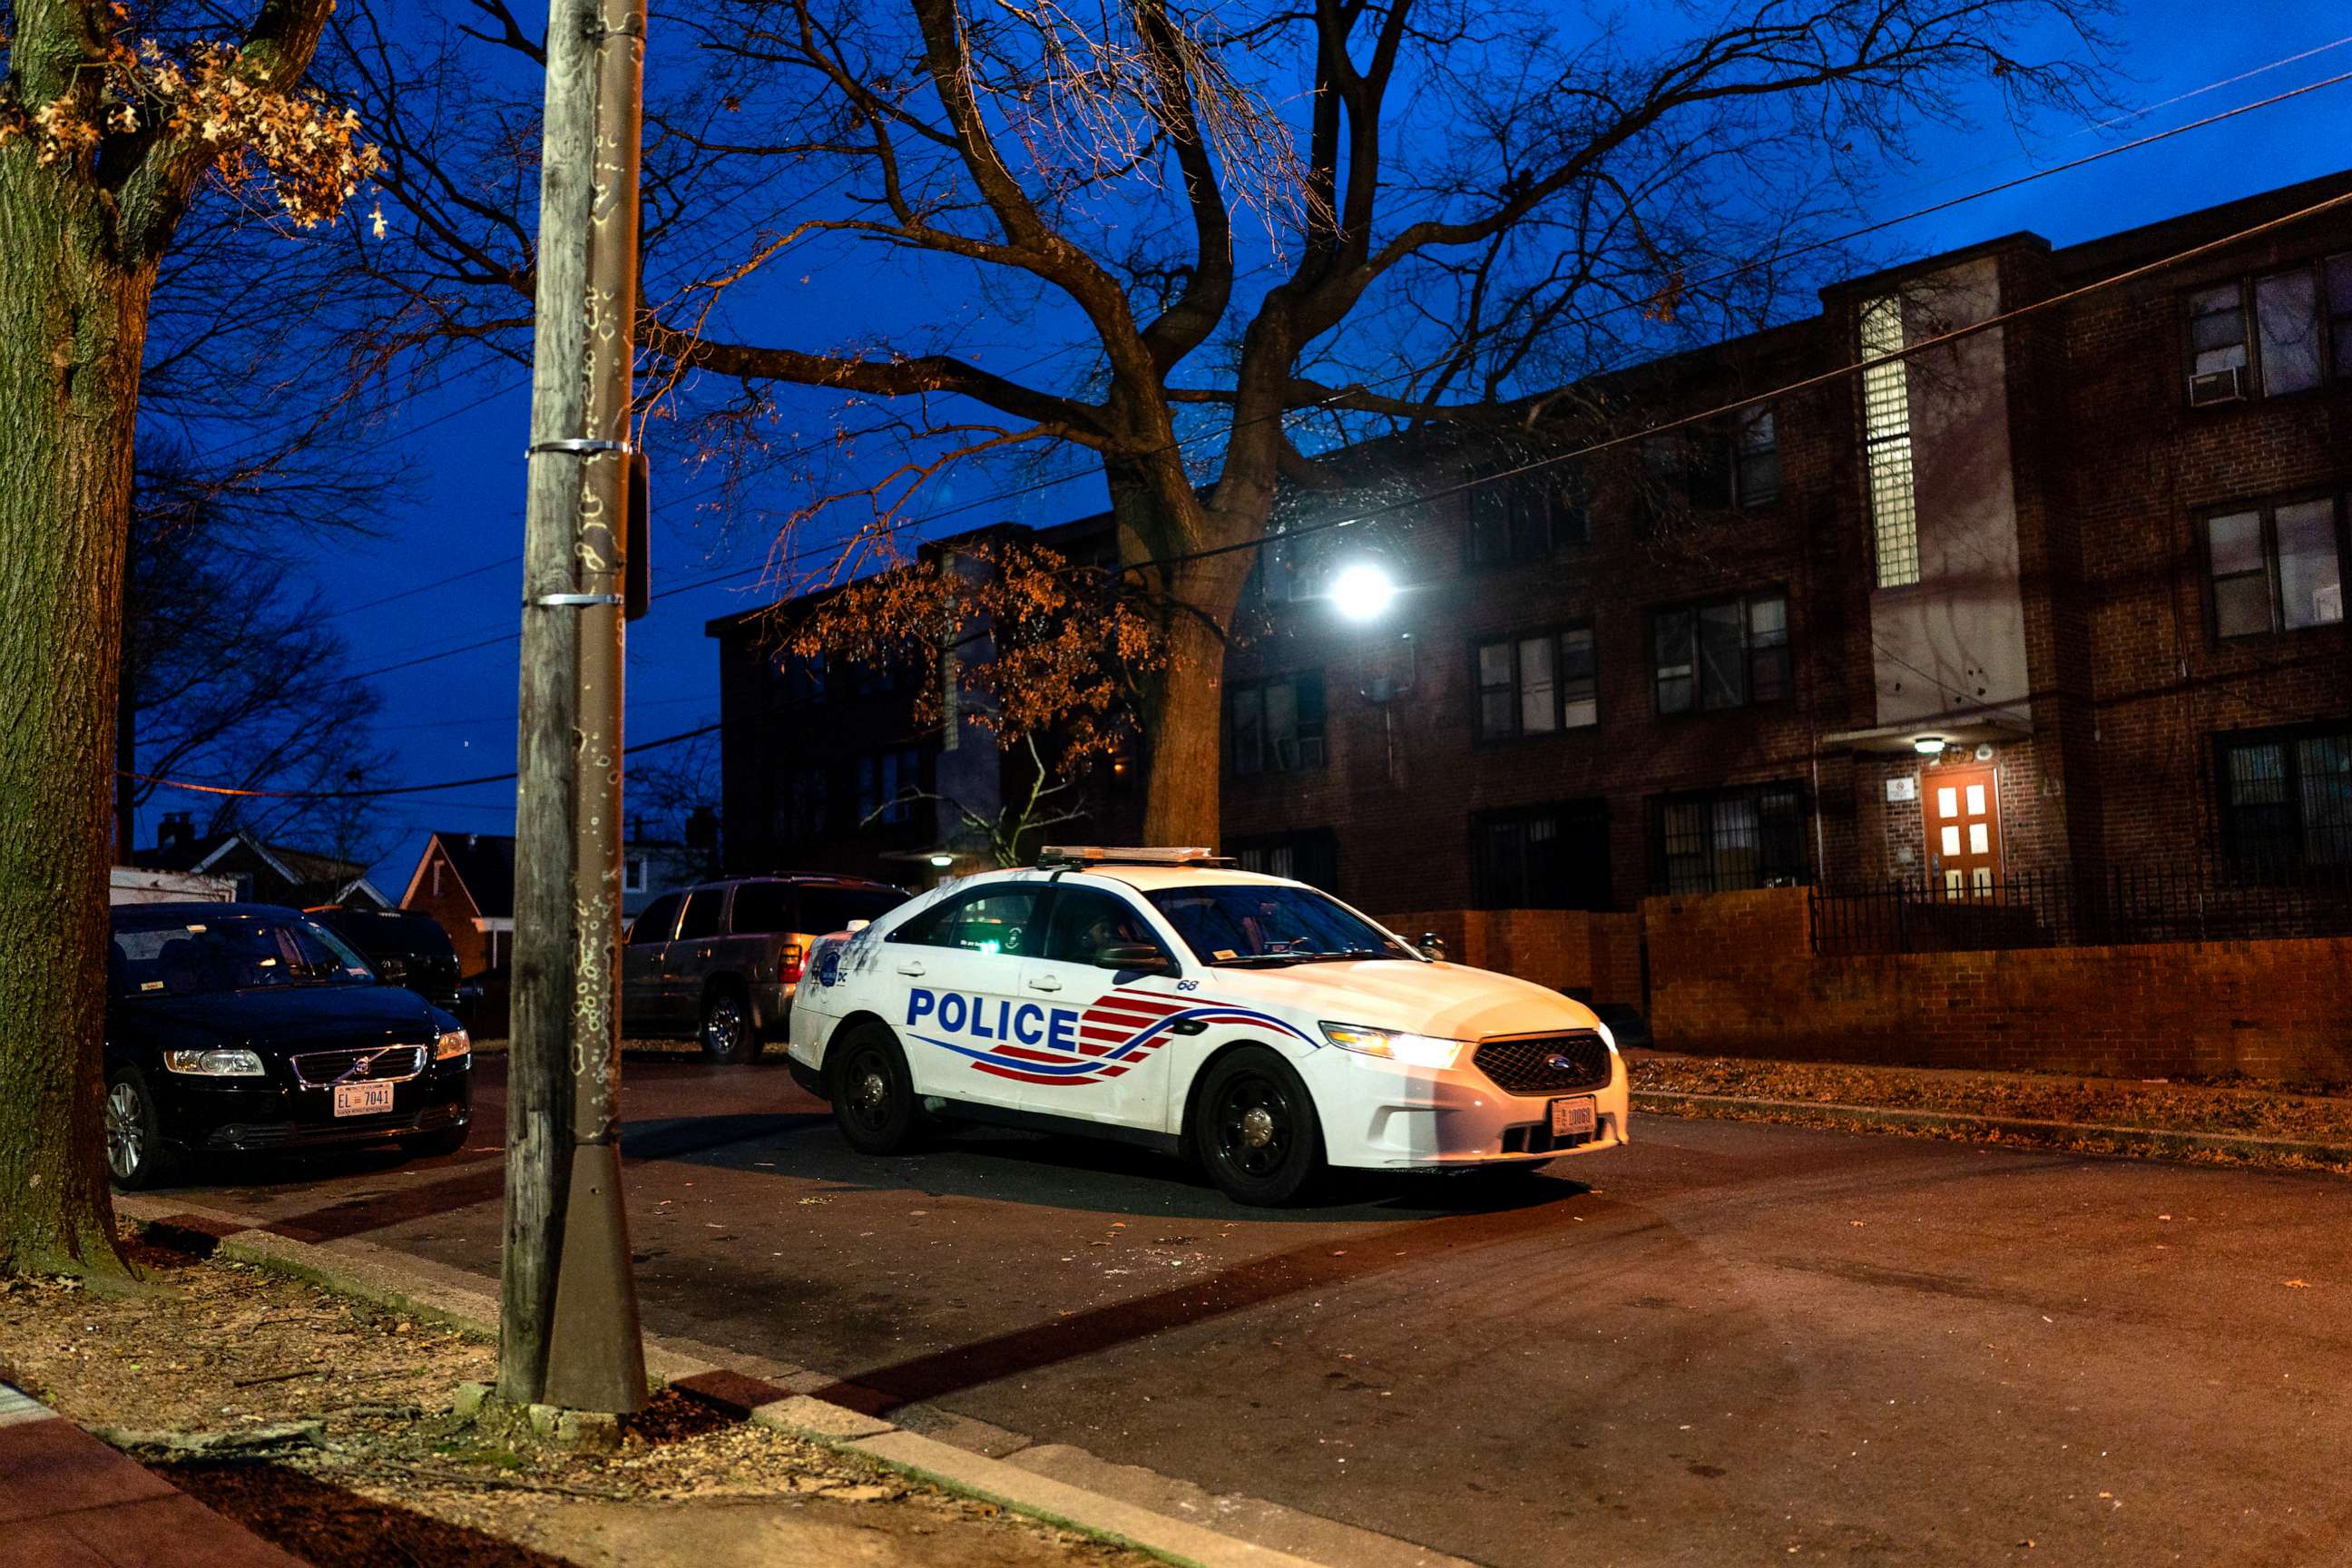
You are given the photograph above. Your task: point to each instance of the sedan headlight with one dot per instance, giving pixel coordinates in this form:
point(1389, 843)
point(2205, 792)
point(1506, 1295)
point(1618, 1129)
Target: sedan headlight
point(1413, 1050)
point(1606, 1037)
point(455, 1042)
point(214, 1064)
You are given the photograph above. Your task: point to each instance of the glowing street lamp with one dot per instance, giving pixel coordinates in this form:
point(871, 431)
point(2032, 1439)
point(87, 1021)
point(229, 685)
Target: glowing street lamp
point(1363, 590)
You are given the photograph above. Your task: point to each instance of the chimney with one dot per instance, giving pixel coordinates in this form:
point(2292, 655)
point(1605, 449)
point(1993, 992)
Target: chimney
point(702, 828)
point(174, 831)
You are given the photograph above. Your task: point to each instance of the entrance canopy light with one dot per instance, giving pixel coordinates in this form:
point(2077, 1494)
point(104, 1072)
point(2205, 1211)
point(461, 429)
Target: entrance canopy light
point(1928, 746)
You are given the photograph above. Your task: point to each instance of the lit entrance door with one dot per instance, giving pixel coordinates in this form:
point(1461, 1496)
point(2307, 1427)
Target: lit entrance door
point(1963, 829)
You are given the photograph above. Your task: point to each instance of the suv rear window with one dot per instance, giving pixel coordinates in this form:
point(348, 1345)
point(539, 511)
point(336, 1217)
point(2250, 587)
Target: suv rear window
point(825, 909)
point(772, 907)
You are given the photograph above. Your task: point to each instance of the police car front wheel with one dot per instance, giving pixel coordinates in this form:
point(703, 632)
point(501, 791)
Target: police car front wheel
point(873, 1094)
point(1255, 1129)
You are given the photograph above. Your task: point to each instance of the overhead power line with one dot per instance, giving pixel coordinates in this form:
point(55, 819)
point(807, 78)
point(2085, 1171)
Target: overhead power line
point(1422, 497)
point(1772, 258)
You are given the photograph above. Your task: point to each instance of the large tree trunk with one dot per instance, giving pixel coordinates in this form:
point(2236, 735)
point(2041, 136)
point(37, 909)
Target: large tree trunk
point(72, 325)
point(1183, 705)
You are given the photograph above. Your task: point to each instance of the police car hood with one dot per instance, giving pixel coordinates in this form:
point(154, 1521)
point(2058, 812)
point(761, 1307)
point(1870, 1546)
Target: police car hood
point(1451, 1001)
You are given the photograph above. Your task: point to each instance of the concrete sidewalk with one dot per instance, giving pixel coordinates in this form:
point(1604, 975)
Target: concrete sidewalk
point(68, 1500)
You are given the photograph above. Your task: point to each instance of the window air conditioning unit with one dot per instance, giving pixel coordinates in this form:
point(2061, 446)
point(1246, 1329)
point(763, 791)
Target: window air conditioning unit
point(2217, 386)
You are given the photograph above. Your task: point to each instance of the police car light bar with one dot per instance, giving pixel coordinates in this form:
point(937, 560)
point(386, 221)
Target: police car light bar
point(1097, 854)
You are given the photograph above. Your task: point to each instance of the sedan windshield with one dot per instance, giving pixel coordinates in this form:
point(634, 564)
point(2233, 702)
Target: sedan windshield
point(1269, 924)
point(229, 953)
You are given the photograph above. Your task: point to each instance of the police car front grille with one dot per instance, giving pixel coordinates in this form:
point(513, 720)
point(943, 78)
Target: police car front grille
point(1550, 1064)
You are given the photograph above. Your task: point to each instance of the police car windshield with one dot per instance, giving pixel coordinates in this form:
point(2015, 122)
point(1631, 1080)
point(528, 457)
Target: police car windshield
point(1269, 924)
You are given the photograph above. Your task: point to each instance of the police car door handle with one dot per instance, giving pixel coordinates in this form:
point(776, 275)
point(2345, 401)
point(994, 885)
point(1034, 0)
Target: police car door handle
point(1044, 983)
point(912, 966)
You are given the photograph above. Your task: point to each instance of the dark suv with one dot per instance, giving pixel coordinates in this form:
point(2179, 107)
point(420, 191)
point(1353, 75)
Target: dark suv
point(403, 949)
point(720, 961)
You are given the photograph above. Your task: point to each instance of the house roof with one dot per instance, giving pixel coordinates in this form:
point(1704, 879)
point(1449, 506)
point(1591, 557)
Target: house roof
point(484, 863)
point(330, 878)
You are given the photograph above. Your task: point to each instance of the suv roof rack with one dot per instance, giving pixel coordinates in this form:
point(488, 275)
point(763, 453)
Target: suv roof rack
point(1054, 855)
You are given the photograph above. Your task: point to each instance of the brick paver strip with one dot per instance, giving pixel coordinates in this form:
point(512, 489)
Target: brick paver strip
point(68, 1500)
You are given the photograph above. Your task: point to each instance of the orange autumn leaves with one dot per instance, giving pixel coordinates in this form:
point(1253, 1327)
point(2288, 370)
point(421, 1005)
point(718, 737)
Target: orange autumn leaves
point(1021, 642)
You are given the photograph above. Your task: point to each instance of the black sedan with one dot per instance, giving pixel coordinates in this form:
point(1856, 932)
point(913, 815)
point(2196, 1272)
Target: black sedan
point(244, 1028)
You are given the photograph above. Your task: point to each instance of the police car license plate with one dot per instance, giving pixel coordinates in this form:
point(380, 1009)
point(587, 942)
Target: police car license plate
point(361, 1098)
point(1572, 1118)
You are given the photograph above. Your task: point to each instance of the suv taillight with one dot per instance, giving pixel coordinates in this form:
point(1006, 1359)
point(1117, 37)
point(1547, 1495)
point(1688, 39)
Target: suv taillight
point(792, 965)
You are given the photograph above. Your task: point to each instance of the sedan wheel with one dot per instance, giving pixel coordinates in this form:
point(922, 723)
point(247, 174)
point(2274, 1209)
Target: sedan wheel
point(135, 1148)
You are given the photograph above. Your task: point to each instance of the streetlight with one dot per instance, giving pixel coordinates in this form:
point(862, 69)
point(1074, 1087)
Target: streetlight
point(1363, 590)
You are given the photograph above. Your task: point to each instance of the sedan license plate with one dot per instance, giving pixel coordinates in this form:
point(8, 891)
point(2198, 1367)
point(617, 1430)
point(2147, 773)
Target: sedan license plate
point(1572, 1118)
point(364, 1099)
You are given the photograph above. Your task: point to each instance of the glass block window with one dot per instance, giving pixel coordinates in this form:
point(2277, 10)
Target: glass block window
point(1886, 445)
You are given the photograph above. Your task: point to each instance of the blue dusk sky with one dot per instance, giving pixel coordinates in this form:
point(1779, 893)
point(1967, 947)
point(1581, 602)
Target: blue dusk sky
point(453, 716)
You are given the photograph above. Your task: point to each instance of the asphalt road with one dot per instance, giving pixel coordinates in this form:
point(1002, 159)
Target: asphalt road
point(1738, 1344)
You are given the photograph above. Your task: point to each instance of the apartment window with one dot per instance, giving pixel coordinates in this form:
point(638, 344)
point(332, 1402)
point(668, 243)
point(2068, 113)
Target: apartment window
point(1312, 857)
point(2280, 333)
point(2287, 798)
point(1548, 856)
point(1724, 654)
point(1275, 726)
point(805, 678)
point(1726, 840)
point(884, 780)
point(1536, 684)
point(632, 874)
point(1687, 469)
point(806, 809)
point(2276, 567)
point(1886, 445)
point(1524, 517)
point(1290, 570)
point(1755, 457)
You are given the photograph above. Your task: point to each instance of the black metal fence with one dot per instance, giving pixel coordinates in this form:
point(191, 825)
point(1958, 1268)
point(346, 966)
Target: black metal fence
point(2091, 907)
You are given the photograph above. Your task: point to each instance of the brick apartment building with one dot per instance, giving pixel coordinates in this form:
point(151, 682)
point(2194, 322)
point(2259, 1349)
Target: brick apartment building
point(2058, 594)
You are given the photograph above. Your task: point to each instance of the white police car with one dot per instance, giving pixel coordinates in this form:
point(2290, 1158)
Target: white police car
point(1164, 998)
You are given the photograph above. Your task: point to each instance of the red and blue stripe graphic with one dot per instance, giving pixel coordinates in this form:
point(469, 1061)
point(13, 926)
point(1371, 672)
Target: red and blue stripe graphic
point(1115, 1036)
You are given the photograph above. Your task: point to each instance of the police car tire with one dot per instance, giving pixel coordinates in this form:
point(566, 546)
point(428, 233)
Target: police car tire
point(884, 1125)
point(1255, 1079)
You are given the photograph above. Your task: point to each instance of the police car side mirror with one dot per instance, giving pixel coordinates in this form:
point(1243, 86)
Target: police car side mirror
point(1130, 955)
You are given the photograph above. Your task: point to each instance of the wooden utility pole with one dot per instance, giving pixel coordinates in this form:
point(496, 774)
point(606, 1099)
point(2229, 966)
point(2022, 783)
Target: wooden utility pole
point(568, 1303)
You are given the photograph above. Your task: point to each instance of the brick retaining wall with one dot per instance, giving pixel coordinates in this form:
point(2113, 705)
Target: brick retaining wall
point(1734, 974)
point(1593, 955)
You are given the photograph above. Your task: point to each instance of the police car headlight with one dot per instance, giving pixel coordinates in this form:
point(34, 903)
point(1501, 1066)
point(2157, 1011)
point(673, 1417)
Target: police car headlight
point(455, 1042)
point(1413, 1050)
point(214, 1064)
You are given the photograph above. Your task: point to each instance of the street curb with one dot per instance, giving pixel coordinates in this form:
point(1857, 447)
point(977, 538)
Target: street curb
point(770, 1395)
point(2140, 1141)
